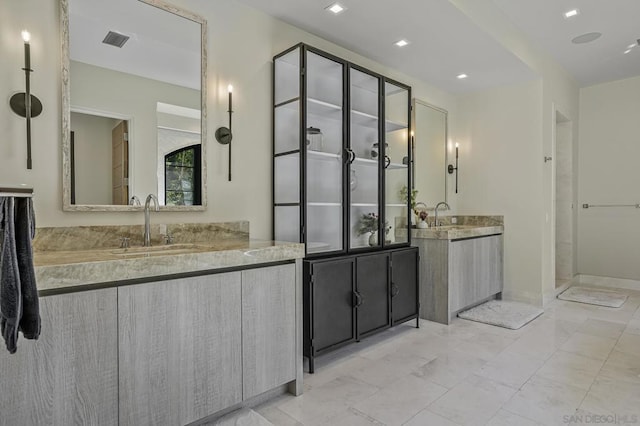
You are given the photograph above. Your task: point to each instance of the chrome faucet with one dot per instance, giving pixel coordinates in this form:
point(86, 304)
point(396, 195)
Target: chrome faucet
point(441, 203)
point(134, 201)
point(147, 218)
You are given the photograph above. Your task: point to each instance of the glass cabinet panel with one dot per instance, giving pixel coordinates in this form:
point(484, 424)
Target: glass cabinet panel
point(286, 147)
point(396, 167)
point(364, 159)
point(323, 141)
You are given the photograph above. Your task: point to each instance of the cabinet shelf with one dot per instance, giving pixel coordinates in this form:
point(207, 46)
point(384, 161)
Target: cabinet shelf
point(372, 162)
point(321, 204)
point(333, 111)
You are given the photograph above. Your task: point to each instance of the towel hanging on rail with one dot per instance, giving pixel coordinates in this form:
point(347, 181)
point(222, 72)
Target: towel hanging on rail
point(19, 306)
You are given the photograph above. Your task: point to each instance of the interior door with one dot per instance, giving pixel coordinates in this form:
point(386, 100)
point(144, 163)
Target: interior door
point(120, 164)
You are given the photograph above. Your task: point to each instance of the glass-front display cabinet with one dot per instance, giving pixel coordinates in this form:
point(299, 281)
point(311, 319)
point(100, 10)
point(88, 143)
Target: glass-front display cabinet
point(341, 154)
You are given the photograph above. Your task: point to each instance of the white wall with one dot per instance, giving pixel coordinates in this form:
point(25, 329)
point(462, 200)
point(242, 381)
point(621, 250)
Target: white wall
point(242, 42)
point(559, 92)
point(499, 134)
point(93, 151)
point(609, 238)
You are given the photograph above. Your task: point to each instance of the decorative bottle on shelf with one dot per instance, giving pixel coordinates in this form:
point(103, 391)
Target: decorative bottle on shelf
point(315, 139)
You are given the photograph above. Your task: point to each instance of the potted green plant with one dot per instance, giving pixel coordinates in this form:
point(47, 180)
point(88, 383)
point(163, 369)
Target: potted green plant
point(368, 224)
point(410, 197)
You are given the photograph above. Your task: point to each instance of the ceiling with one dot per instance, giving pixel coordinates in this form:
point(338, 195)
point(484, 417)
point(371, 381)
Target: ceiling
point(445, 42)
point(152, 51)
point(543, 22)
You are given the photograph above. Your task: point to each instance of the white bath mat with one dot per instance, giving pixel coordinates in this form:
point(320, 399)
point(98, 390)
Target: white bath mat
point(502, 313)
point(243, 417)
point(593, 296)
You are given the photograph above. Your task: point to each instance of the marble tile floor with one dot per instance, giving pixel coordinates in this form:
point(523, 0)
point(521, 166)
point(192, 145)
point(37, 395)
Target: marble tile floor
point(576, 364)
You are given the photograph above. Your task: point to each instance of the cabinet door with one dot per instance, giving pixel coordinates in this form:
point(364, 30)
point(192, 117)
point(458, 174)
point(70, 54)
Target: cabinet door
point(372, 287)
point(366, 150)
point(70, 374)
point(323, 143)
point(475, 270)
point(404, 284)
point(396, 165)
point(268, 328)
point(180, 349)
point(333, 319)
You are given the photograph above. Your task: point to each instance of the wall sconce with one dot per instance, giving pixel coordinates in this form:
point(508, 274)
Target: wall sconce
point(24, 103)
point(223, 134)
point(451, 168)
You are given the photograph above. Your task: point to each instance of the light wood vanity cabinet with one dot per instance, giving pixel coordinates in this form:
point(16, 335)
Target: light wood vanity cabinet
point(167, 352)
point(70, 374)
point(180, 349)
point(268, 329)
point(456, 274)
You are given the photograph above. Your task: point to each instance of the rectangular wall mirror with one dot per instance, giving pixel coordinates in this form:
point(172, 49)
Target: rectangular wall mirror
point(134, 105)
point(430, 153)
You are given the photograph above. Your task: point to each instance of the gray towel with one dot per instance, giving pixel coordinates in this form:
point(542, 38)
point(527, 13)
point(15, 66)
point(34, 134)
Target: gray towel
point(25, 231)
point(19, 308)
point(10, 288)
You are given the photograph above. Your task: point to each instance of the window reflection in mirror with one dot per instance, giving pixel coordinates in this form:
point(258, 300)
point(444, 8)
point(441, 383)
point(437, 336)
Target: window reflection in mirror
point(430, 153)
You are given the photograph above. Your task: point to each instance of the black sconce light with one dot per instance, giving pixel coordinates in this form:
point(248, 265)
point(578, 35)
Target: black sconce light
point(223, 134)
point(24, 103)
point(451, 169)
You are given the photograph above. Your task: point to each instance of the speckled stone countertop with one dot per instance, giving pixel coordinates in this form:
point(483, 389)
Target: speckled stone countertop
point(465, 227)
point(199, 248)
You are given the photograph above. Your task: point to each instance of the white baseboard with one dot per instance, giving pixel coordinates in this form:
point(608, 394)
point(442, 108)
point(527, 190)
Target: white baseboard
point(522, 297)
point(593, 280)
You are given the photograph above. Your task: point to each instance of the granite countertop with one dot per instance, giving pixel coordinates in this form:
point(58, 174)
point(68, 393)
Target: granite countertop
point(464, 227)
point(64, 269)
point(456, 232)
point(74, 259)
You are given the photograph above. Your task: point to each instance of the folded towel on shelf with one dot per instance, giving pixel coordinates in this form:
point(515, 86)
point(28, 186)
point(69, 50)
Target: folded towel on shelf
point(19, 307)
point(10, 288)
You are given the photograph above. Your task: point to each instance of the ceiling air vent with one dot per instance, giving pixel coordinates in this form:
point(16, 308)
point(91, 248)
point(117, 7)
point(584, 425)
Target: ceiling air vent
point(115, 39)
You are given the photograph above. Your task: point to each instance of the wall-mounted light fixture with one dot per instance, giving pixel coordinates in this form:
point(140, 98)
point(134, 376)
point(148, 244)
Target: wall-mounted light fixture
point(24, 103)
point(451, 169)
point(223, 134)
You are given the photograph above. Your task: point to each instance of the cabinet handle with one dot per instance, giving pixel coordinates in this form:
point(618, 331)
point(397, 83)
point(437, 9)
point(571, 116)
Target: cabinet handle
point(387, 161)
point(358, 299)
point(394, 290)
point(351, 156)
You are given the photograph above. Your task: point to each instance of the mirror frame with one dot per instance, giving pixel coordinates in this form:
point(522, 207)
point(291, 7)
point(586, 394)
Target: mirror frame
point(414, 104)
point(66, 114)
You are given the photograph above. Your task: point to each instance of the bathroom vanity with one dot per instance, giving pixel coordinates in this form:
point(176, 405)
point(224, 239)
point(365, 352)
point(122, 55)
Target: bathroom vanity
point(461, 265)
point(166, 335)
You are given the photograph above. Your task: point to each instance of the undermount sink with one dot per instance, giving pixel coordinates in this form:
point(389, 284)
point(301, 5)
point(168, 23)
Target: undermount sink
point(160, 250)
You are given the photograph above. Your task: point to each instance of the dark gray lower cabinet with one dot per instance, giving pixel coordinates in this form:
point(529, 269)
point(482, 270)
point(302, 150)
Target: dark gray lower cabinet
point(350, 297)
point(404, 287)
point(372, 293)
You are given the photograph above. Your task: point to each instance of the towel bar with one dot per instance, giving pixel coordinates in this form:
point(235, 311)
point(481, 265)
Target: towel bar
point(586, 206)
point(16, 192)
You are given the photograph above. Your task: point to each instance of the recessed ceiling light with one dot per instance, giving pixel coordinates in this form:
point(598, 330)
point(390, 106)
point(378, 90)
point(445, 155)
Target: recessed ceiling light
point(462, 76)
point(401, 43)
point(586, 38)
point(335, 8)
point(571, 13)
